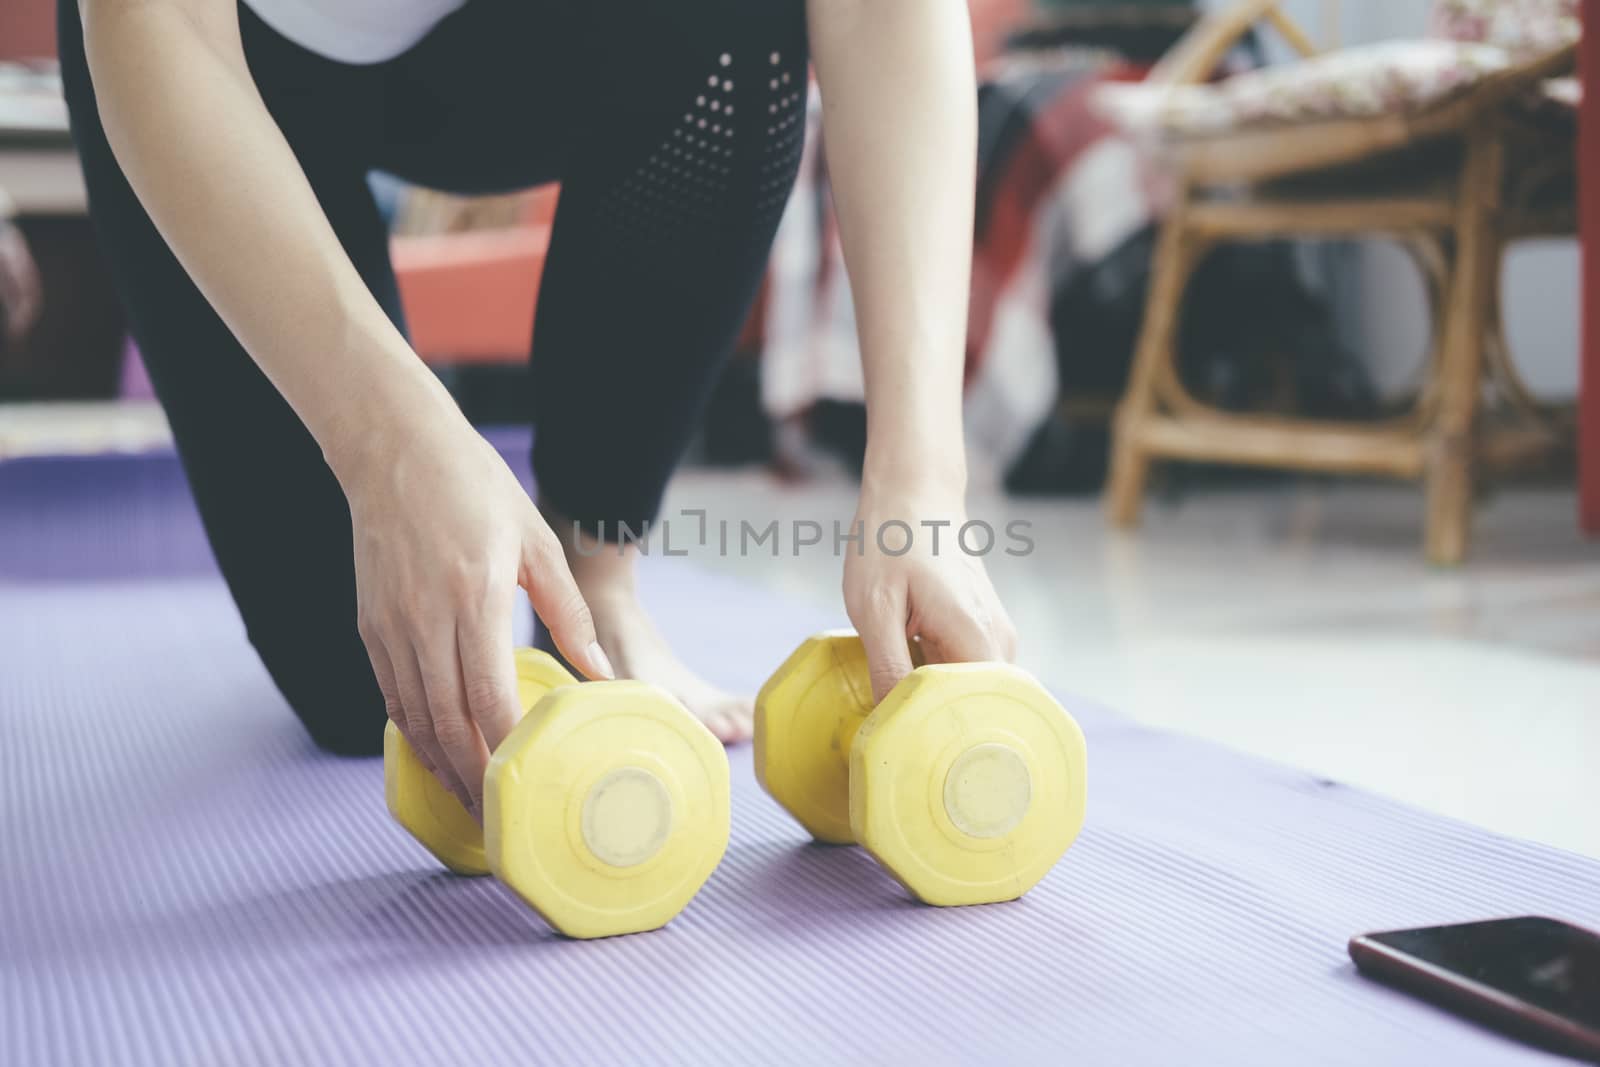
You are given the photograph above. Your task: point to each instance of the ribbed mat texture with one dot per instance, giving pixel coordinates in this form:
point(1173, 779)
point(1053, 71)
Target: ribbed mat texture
point(186, 880)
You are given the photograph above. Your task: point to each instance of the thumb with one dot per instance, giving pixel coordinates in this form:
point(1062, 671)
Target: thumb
point(560, 604)
point(883, 632)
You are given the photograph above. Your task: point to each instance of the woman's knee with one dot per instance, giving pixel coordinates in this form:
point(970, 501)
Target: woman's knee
point(330, 687)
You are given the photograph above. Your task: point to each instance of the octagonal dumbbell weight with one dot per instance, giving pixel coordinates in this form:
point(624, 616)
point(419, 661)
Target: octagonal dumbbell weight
point(968, 782)
point(605, 809)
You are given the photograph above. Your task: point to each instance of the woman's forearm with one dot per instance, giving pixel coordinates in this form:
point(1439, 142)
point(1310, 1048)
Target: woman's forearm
point(899, 124)
point(213, 171)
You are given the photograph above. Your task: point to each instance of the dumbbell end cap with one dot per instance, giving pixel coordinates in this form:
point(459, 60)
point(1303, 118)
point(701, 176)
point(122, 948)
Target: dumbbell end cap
point(427, 809)
point(607, 808)
point(805, 717)
point(968, 783)
point(987, 790)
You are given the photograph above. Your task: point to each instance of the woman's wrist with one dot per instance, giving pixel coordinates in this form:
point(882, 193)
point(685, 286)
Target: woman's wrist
point(404, 412)
point(915, 441)
point(926, 465)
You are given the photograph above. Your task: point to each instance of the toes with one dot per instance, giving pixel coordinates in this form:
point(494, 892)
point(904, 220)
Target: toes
point(738, 722)
point(725, 724)
point(720, 727)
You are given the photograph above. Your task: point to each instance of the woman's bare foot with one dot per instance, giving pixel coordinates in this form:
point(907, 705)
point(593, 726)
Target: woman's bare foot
point(632, 642)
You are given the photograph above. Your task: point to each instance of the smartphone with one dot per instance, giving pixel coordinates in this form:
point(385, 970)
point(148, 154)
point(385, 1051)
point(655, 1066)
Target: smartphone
point(1533, 977)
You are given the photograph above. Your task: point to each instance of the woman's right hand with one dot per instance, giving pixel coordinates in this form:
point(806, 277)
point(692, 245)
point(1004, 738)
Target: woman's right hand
point(444, 535)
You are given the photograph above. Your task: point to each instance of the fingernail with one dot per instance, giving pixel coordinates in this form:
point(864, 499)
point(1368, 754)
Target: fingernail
point(598, 660)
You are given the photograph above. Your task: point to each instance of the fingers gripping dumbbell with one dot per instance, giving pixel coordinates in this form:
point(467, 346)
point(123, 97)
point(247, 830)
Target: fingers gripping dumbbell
point(606, 808)
point(967, 782)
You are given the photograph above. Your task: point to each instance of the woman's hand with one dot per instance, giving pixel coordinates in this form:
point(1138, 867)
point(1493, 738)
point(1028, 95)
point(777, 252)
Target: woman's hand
point(935, 592)
point(444, 535)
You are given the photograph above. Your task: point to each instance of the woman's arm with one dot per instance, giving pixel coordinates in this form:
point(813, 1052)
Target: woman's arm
point(900, 127)
point(443, 532)
point(899, 119)
point(215, 175)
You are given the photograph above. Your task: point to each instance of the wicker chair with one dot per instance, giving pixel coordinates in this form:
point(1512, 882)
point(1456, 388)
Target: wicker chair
point(1454, 181)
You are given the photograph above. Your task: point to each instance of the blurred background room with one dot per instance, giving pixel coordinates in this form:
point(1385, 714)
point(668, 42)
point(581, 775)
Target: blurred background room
point(1275, 339)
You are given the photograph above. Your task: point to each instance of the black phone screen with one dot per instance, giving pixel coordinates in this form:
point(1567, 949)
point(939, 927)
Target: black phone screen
point(1542, 962)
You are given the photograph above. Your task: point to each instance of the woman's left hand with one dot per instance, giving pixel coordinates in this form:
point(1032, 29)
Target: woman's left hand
point(935, 590)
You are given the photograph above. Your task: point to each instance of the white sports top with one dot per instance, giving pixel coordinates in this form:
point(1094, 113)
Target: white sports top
point(354, 31)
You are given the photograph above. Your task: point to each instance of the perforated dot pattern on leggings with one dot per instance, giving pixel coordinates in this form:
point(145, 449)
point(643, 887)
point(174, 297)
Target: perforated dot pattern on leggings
point(783, 119)
point(689, 173)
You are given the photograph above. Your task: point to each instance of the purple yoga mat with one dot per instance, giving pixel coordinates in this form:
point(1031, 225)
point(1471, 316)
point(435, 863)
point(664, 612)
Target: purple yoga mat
point(186, 880)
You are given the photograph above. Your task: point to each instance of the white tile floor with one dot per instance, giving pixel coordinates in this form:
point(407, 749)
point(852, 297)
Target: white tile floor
point(1299, 623)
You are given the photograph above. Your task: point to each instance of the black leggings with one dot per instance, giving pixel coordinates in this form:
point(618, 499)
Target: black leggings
point(674, 127)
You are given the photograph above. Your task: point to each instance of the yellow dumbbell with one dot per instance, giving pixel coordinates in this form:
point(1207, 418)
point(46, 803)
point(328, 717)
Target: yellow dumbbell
point(606, 808)
point(968, 782)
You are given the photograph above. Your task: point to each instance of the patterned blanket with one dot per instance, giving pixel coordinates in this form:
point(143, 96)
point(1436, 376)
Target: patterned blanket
point(1058, 191)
